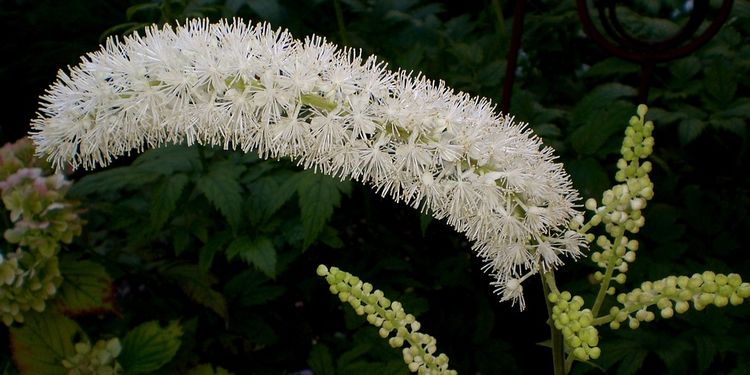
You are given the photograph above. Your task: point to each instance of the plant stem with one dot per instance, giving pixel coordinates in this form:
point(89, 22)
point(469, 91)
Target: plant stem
point(340, 21)
point(499, 16)
point(607, 278)
point(558, 352)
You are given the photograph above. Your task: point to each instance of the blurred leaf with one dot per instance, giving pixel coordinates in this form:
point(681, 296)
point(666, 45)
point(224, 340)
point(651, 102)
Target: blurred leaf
point(112, 179)
point(167, 160)
point(318, 196)
point(599, 99)
point(221, 188)
point(600, 126)
point(198, 286)
point(588, 177)
point(720, 82)
point(690, 128)
point(42, 342)
point(611, 67)
point(149, 346)
point(320, 360)
point(685, 68)
point(258, 251)
point(251, 288)
point(165, 198)
point(207, 369)
point(86, 289)
point(208, 251)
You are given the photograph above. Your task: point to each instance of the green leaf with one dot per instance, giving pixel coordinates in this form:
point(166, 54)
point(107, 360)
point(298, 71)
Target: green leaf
point(251, 288)
point(208, 251)
point(320, 360)
point(42, 342)
point(318, 195)
point(167, 160)
point(207, 369)
point(87, 288)
point(259, 252)
point(149, 346)
point(600, 99)
point(111, 180)
point(685, 68)
point(589, 177)
point(197, 285)
point(165, 198)
point(690, 129)
point(424, 222)
point(612, 67)
point(269, 193)
point(131, 11)
point(221, 188)
point(721, 82)
point(600, 125)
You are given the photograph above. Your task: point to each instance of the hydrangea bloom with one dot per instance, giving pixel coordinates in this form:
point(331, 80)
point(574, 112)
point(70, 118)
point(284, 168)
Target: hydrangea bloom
point(255, 88)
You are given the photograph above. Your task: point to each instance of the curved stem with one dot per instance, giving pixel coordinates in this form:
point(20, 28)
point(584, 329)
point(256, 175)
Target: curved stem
point(340, 21)
point(558, 350)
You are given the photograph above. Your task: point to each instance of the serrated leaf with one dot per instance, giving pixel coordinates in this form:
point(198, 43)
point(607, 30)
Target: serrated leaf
point(690, 129)
point(258, 251)
point(42, 342)
point(221, 188)
point(149, 346)
point(318, 196)
point(87, 288)
point(320, 360)
point(165, 198)
point(197, 285)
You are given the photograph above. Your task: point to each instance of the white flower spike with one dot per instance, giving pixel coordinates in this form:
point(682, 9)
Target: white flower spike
point(258, 89)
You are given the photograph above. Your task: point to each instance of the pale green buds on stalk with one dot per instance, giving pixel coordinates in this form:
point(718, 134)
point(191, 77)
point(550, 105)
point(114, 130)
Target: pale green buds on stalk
point(393, 322)
point(96, 360)
point(674, 294)
point(42, 220)
point(620, 208)
point(581, 338)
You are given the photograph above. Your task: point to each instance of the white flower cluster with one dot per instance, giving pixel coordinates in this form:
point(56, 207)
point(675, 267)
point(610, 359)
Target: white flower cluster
point(255, 88)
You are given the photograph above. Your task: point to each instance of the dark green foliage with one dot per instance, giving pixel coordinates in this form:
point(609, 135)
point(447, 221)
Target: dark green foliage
point(227, 244)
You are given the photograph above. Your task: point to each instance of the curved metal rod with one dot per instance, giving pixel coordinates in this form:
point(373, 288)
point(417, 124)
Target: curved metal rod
point(641, 53)
point(697, 15)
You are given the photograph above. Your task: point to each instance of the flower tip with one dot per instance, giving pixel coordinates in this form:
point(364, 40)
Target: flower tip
point(642, 109)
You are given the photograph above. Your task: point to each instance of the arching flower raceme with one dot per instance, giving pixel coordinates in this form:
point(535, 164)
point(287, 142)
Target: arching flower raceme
point(251, 87)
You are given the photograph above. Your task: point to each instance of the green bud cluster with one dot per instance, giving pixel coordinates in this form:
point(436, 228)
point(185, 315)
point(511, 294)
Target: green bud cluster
point(675, 294)
point(96, 360)
point(42, 220)
point(620, 209)
point(393, 322)
point(580, 336)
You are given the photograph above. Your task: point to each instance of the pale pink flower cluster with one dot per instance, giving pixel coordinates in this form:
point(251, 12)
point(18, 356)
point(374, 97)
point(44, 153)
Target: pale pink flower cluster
point(258, 89)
